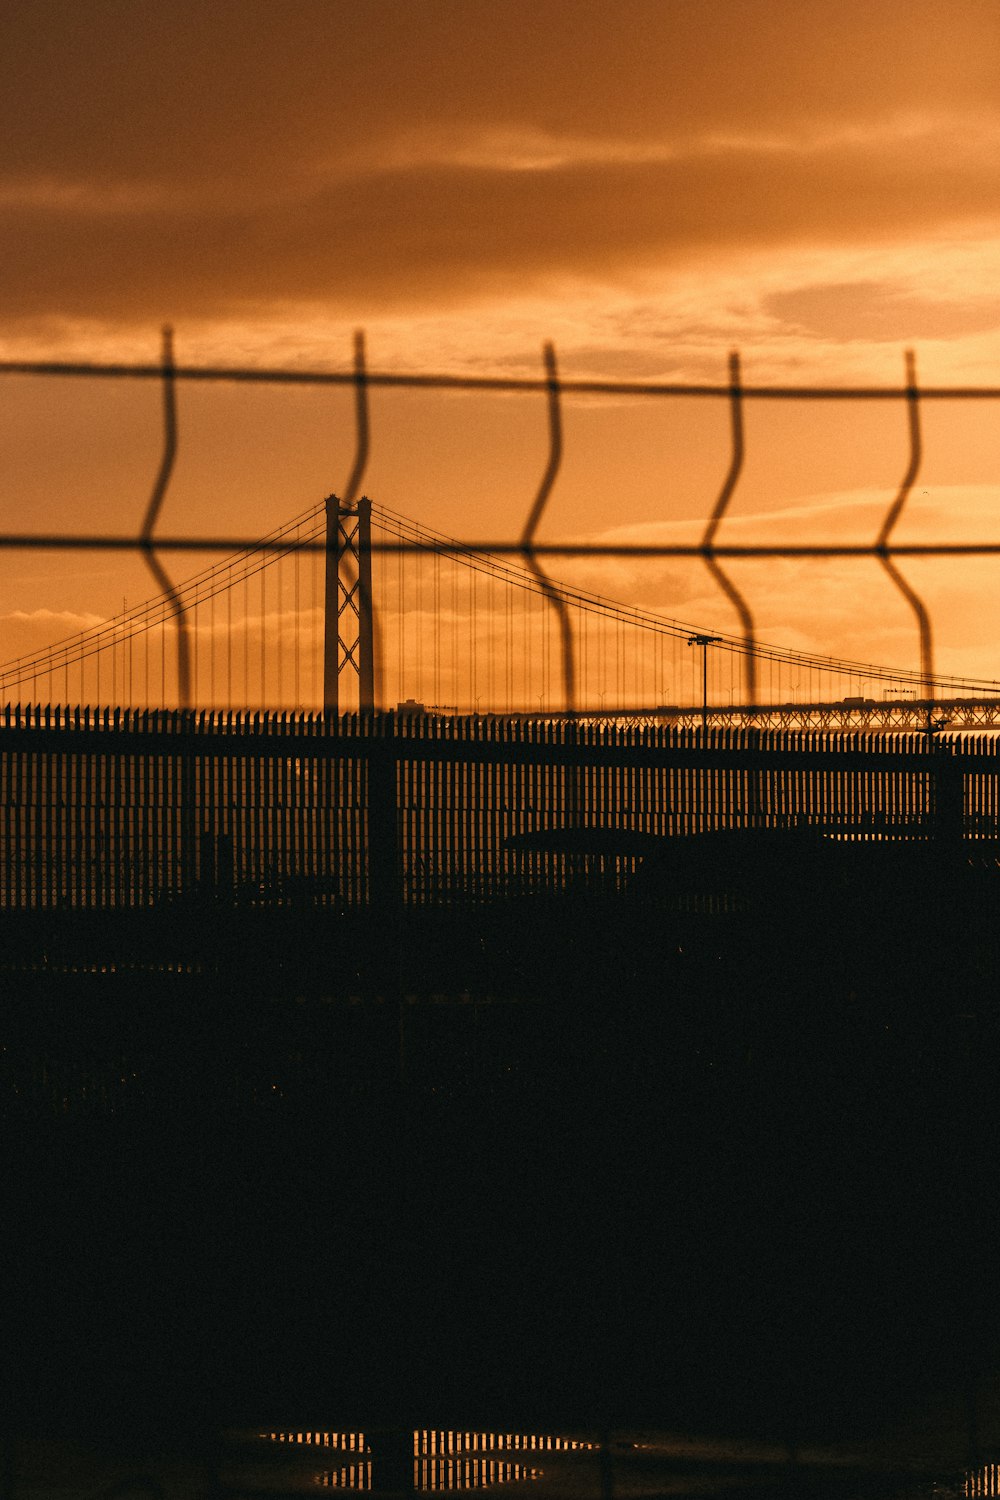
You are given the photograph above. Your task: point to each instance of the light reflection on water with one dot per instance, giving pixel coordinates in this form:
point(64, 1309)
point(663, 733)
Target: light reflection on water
point(983, 1481)
point(453, 1460)
point(443, 1459)
point(435, 1474)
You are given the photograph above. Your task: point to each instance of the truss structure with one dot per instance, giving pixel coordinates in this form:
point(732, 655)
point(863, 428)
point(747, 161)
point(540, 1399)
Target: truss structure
point(348, 628)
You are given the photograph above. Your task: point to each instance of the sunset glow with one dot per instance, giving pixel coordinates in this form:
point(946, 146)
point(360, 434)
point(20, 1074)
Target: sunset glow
point(814, 187)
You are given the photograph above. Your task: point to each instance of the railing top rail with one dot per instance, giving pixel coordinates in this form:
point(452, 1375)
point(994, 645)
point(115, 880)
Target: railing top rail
point(210, 729)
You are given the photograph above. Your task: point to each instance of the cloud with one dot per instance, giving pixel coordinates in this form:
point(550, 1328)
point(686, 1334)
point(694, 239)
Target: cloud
point(437, 235)
point(191, 91)
point(67, 621)
point(262, 175)
point(648, 187)
point(25, 632)
point(527, 148)
point(871, 310)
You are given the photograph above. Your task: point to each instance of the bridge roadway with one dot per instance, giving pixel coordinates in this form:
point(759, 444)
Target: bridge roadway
point(905, 715)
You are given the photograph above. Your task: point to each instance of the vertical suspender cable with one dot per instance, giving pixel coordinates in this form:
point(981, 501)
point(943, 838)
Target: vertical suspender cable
point(246, 644)
point(298, 618)
point(229, 641)
point(279, 574)
point(262, 690)
point(211, 643)
point(434, 642)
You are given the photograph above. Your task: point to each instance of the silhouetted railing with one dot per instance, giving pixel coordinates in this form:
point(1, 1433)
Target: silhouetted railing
point(135, 808)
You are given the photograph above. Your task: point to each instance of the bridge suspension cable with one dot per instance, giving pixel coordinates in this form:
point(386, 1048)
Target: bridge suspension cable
point(465, 630)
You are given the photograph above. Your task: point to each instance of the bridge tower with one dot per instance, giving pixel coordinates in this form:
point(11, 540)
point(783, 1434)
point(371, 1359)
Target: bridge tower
point(348, 619)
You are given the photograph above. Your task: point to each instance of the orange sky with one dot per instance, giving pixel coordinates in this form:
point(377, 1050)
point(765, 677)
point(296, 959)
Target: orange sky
point(647, 184)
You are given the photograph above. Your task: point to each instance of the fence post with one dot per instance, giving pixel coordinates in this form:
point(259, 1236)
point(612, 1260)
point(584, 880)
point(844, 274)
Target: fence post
point(393, 1460)
point(384, 862)
point(948, 794)
point(189, 810)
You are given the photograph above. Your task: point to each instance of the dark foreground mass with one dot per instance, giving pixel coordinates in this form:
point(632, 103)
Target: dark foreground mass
point(724, 1171)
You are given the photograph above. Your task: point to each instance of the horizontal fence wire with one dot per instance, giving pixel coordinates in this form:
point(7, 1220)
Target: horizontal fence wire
point(151, 543)
point(414, 380)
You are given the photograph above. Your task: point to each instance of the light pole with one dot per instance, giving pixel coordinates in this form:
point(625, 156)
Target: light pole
point(704, 641)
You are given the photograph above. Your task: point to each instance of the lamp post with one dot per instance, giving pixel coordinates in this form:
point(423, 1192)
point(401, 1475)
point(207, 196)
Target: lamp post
point(704, 641)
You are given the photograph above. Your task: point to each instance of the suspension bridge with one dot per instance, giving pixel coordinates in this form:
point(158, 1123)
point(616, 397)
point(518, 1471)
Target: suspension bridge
point(348, 608)
point(378, 715)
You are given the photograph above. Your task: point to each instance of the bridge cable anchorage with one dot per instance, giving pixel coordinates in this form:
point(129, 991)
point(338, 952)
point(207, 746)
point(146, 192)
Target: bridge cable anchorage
point(551, 592)
point(707, 548)
point(892, 515)
point(152, 515)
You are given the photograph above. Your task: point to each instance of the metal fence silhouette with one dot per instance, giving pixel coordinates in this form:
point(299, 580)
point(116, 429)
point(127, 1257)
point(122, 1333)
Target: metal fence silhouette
point(119, 810)
point(131, 809)
point(154, 545)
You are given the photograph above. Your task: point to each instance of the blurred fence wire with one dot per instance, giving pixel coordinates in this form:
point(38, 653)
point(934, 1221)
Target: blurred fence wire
point(153, 544)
